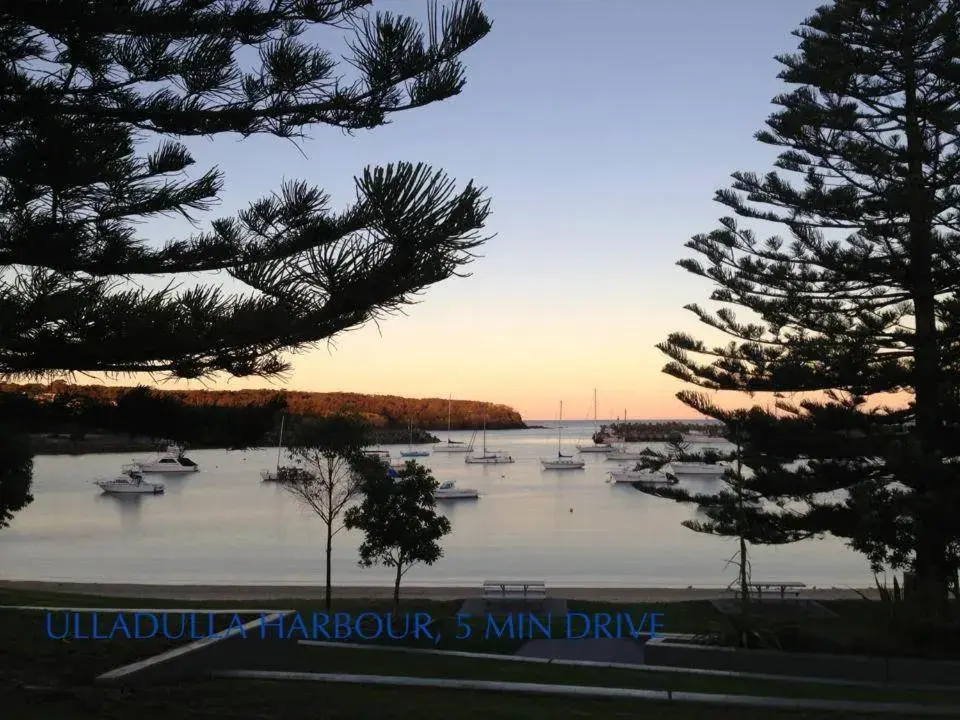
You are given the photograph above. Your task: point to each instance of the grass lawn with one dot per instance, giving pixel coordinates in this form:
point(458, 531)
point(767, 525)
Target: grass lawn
point(300, 658)
point(680, 617)
point(29, 656)
point(246, 700)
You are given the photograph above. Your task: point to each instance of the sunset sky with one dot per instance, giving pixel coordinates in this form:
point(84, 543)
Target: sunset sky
point(602, 131)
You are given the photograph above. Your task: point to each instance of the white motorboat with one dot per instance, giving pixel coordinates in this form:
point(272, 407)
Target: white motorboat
point(172, 461)
point(699, 437)
point(699, 469)
point(595, 447)
point(379, 454)
point(448, 490)
point(274, 475)
point(129, 481)
point(625, 455)
point(410, 452)
point(452, 446)
point(561, 461)
point(494, 457)
point(643, 475)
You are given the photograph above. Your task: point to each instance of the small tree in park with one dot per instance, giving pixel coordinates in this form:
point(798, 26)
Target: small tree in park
point(399, 520)
point(329, 453)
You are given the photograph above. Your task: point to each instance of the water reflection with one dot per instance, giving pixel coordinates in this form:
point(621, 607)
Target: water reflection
point(223, 525)
point(129, 507)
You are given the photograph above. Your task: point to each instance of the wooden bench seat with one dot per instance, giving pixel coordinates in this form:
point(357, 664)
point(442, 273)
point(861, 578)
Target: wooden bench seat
point(758, 587)
point(514, 590)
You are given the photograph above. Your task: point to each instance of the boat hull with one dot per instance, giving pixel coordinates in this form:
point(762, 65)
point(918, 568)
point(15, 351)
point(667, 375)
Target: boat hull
point(698, 470)
point(488, 461)
point(129, 489)
point(630, 477)
point(415, 453)
point(629, 457)
point(561, 465)
point(173, 470)
point(594, 448)
point(459, 495)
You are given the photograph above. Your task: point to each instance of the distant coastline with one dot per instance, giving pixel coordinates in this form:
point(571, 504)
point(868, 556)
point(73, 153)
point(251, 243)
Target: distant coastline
point(102, 443)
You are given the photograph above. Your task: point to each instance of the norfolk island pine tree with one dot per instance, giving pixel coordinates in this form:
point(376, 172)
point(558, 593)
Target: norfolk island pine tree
point(73, 186)
point(854, 307)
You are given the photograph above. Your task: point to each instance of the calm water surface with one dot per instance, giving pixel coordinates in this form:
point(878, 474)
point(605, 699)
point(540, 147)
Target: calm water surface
point(223, 526)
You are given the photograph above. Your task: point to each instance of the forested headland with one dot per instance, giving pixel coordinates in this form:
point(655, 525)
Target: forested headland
point(64, 418)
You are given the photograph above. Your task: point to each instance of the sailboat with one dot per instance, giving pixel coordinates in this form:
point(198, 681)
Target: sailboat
point(595, 447)
point(411, 452)
point(453, 446)
point(274, 475)
point(488, 458)
point(561, 462)
point(621, 453)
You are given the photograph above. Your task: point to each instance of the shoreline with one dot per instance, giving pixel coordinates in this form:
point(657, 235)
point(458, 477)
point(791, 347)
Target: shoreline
point(200, 592)
point(53, 444)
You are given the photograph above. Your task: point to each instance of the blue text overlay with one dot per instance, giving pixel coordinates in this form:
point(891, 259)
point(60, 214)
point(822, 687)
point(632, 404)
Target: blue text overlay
point(347, 626)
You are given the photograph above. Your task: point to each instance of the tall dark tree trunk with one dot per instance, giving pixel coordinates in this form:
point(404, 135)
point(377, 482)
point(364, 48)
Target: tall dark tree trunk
point(931, 564)
point(396, 586)
point(329, 592)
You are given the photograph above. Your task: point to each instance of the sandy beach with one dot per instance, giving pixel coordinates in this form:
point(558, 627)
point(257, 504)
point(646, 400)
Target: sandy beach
point(300, 592)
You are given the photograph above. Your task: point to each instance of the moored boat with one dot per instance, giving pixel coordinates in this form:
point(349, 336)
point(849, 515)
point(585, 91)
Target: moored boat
point(448, 490)
point(699, 469)
point(493, 457)
point(452, 446)
point(172, 461)
point(129, 481)
point(646, 476)
point(595, 447)
point(561, 461)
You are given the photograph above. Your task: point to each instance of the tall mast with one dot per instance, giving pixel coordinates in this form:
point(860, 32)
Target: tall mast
point(560, 431)
point(594, 411)
point(280, 441)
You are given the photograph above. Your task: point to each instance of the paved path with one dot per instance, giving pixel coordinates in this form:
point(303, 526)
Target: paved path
point(593, 650)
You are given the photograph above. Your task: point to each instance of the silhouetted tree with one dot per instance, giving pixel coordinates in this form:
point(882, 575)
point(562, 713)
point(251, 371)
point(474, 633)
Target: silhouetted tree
point(330, 454)
point(86, 84)
point(677, 448)
point(16, 472)
point(737, 510)
point(74, 188)
point(858, 299)
point(399, 520)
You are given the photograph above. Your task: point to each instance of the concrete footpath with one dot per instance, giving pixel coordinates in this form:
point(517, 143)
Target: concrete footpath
point(629, 652)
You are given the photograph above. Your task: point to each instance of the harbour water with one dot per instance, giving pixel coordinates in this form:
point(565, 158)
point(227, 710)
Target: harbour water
point(223, 526)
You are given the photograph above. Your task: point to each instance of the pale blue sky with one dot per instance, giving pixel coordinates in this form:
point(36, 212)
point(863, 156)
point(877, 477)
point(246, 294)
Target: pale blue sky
point(602, 130)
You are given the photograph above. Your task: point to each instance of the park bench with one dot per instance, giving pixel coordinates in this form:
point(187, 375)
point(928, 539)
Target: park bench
point(784, 586)
point(514, 590)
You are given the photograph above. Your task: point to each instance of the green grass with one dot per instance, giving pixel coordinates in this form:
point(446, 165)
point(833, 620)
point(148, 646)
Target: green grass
point(677, 617)
point(247, 700)
point(28, 655)
point(691, 616)
point(372, 662)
